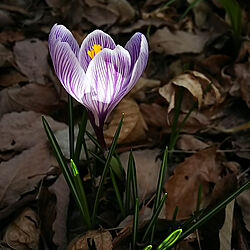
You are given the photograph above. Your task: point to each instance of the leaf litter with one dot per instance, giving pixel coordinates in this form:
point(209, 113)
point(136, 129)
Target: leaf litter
point(194, 55)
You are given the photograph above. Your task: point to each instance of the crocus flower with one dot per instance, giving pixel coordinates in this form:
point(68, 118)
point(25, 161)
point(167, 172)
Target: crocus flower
point(99, 73)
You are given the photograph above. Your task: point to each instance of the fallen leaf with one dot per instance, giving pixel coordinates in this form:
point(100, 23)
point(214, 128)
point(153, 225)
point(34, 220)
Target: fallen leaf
point(243, 200)
point(178, 42)
point(10, 78)
point(20, 131)
point(154, 115)
point(35, 97)
point(143, 84)
point(242, 72)
point(225, 241)
point(204, 168)
point(5, 19)
point(31, 57)
point(23, 233)
point(21, 175)
point(6, 56)
point(53, 210)
point(147, 170)
point(9, 36)
point(189, 142)
point(102, 240)
point(133, 128)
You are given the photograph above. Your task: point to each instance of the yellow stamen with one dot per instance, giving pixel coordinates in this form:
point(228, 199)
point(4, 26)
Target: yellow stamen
point(96, 49)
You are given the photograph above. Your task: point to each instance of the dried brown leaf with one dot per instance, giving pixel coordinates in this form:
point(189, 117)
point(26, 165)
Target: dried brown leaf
point(22, 174)
point(133, 128)
point(20, 131)
point(10, 78)
point(23, 233)
point(53, 211)
point(189, 142)
point(102, 241)
point(204, 168)
point(178, 42)
point(35, 97)
point(243, 200)
point(195, 83)
point(31, 57)
point(6, 56)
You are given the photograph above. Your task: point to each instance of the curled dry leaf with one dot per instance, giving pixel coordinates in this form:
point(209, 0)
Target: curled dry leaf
point(197, 84)
point(31, 57)
point(204, 168)
point(36, 97)
point(20, 131)
point(147, 170)
point(99, 240)
point(133, 127)
point(23, 233)
point(178, 42)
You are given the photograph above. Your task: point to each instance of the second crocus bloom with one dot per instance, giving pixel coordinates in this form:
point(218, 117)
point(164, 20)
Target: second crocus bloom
point(99, 73)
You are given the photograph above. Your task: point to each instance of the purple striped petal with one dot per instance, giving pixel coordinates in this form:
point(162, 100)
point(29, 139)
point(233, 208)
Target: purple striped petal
point(68, 69)
point(107, 74)
point(95, 37)
point(137, 47)
point(61, 33)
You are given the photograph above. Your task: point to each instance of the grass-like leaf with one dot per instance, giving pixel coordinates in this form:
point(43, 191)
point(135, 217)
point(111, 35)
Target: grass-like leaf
point(159, 187)
point(62, 163)
point(81, 193)
point(153, 219)
point(106, 168)
point(117, 193)
point(93, 139)
point(207, 215)
point(135, 223)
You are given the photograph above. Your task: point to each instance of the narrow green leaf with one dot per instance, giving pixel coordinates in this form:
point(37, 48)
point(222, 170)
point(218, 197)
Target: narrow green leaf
point(81, 193)
point(153, 219)
point(134, 179)
point(215, 210)
point(117, 193)
point(199, 199)
point(71, 126)
point(93, 139)
point(135, 224)
point(170, 240)
point(62, 163)
point(128, 185)
point(106, 168)
point(159, 189)
point(189, 8)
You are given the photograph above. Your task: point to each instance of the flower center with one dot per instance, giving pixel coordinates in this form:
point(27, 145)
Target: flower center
point(96, 49)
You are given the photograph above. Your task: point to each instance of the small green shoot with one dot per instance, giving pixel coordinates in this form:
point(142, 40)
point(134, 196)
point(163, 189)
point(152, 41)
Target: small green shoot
point(170, 240)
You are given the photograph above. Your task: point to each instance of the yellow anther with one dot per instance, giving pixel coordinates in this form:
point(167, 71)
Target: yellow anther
point(96, 49)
